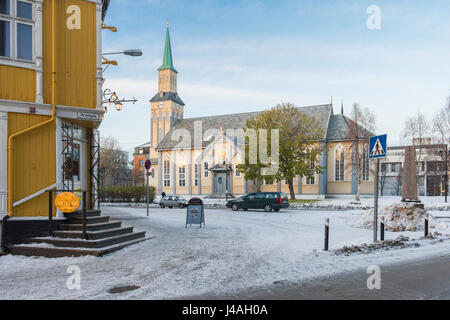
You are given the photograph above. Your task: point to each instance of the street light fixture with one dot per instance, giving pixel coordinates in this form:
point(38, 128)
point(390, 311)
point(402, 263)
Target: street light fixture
point(111, 97)
point(131, 52)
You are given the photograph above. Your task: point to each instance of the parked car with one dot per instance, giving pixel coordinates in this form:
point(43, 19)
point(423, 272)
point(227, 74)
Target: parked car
point(173, 202)
point(260, 200)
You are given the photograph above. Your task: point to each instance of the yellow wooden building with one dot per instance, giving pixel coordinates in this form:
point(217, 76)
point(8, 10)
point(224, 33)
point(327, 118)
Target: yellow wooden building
point(50, 101)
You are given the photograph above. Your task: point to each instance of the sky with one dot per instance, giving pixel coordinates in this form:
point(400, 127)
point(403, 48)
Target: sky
point(248, 55)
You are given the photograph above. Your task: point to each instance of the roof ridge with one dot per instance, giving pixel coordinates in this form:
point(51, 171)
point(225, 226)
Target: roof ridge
point(250, 112)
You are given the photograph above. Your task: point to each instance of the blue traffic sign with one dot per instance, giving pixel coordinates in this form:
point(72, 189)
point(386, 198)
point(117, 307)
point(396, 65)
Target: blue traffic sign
point(377, 146)
point(148, 164)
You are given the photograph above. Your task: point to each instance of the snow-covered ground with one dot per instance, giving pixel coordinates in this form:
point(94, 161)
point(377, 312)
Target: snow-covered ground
point(236, 250)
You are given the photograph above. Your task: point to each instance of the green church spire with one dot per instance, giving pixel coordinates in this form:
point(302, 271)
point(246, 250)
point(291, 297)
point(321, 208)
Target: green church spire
point(168, 62)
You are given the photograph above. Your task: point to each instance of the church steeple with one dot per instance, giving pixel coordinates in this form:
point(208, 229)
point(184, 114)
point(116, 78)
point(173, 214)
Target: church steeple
point(168, 61)
point(167, 108)
point(167, 72)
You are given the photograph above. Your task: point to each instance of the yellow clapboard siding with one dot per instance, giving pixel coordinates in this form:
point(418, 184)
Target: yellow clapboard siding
point(17, 84)
point(34, 158)
point(76, 55)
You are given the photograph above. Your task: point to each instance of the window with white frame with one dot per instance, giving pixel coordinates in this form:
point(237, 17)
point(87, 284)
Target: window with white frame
point(182, 176)
point(206, 169)
point(16, 30)
point(166, 171)
point(339, 167)
point(365, 165)
point(312, 179)
point(196, 174)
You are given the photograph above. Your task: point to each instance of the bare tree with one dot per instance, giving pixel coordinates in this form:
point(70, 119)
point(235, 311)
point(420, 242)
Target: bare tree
point(441, 124)
point(416, 132)
point(361, 127)
point(114, 167)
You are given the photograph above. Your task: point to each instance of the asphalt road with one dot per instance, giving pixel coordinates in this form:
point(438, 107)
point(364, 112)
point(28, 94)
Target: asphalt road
point(416, 280)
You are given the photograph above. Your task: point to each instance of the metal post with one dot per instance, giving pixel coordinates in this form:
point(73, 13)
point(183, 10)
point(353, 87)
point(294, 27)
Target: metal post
point(446, 173)
point(147, 195)
point(84, 215)
point(426, 225)
point(327, 232)
point(382, 229)
point(50, 213)
point(375, 207)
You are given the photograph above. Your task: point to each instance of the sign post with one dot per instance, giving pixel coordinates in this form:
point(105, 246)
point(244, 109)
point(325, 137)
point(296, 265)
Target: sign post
point(148, 165)
point(377, 150)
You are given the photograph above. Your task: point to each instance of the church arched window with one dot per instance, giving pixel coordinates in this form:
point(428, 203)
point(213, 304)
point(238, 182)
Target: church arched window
point(166, 169)
point(339, 167)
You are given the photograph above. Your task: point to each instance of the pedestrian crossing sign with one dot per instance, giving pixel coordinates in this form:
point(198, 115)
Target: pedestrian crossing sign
point(377, 146)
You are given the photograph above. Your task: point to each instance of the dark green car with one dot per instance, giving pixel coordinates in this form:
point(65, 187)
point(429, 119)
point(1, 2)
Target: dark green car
point(260, 200)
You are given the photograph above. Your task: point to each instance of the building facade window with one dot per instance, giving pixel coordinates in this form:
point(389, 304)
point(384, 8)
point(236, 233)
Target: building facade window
point(196, 174)
point(206, 169)
point(166, 172)
point(237, 173)
point(312, 179)
point(339, 166)
point(16, 30)
point(182, 176)
point(365, 165)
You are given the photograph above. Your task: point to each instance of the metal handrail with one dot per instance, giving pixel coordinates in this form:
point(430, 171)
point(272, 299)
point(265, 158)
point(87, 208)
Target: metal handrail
point(50, 210)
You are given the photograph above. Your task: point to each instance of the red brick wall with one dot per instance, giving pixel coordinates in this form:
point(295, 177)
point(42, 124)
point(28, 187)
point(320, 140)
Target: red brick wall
point(139, 169)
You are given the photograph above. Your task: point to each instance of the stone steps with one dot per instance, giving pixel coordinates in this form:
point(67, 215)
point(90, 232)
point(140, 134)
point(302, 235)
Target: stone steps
point(93, 235)
point(82, 243)
point(31, 250)
point(79, 214)
point(89, 220)
point(103, 236)
point(91, 227)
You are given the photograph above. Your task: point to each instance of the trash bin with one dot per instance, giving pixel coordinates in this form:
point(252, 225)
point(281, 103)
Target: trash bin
point(195, 212)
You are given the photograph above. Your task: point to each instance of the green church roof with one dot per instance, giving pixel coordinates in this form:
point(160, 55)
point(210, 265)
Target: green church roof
point(168, 61)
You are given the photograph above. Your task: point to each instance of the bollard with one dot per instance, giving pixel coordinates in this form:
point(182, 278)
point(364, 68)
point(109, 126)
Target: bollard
point(327, 231)
point(426, 225)
point(382, 229)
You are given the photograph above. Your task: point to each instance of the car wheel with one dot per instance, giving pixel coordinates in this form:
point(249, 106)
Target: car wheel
point(181, 206)
point(162, 206)
point(245, 209)
point(234, 207)
point(268, 208)
point(276, 210)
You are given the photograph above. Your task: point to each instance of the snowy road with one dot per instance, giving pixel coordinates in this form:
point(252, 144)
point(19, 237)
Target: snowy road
point(235, 251)
point(422, 279)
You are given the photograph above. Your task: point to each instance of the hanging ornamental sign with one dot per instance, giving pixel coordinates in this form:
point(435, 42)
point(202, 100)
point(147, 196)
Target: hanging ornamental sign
point(67, 202)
